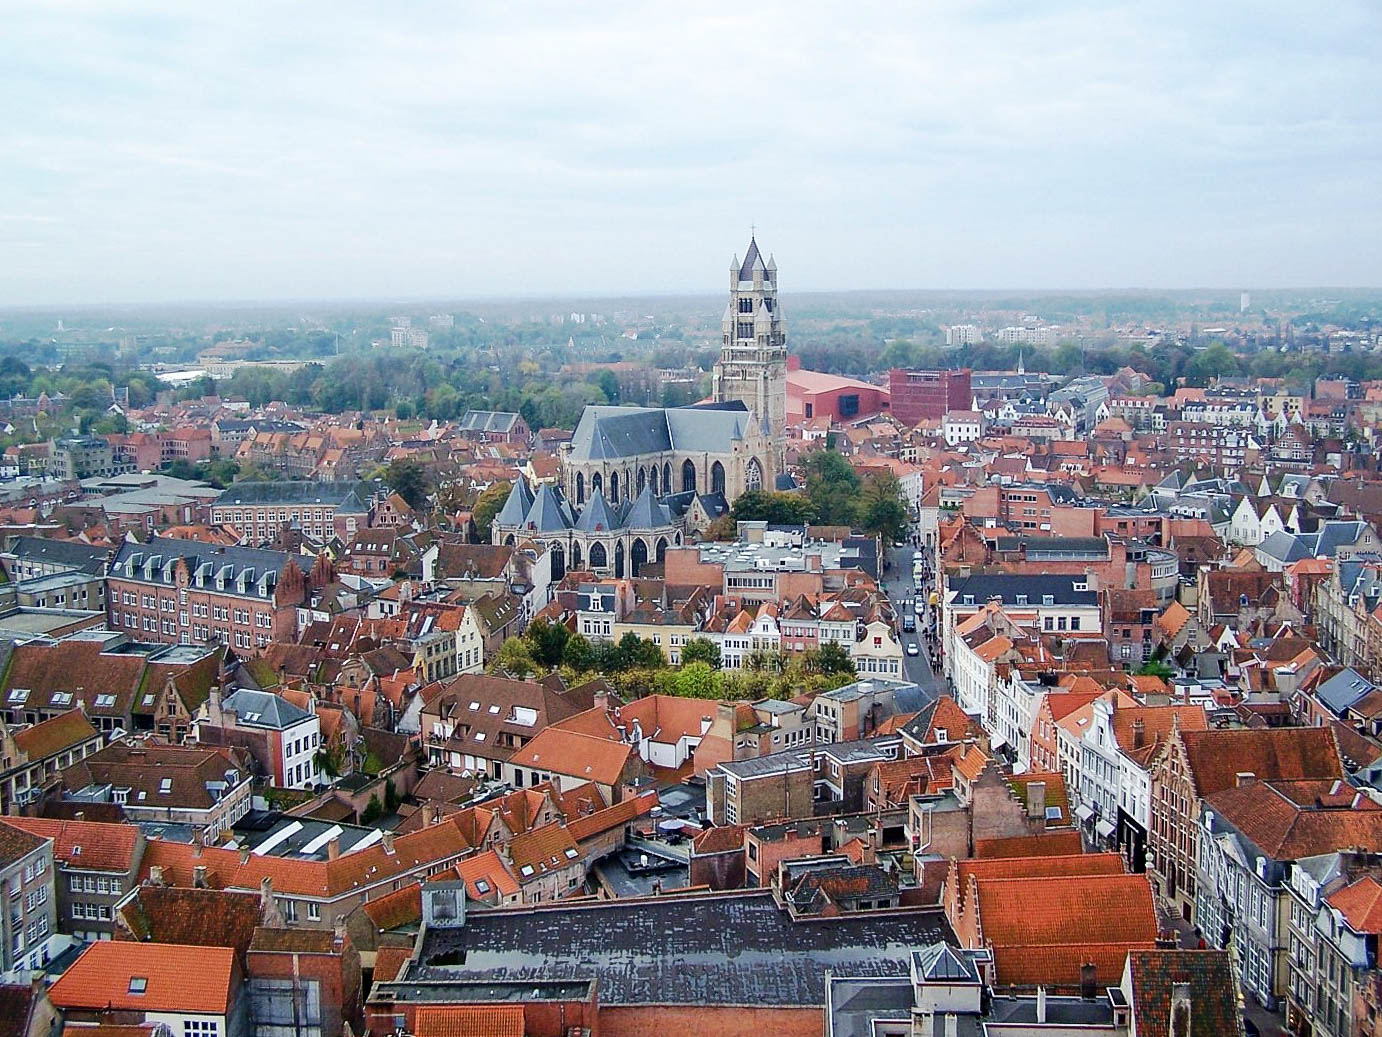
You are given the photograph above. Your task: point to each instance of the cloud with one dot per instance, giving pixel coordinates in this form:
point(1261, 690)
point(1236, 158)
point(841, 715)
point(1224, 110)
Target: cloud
point(191, 151)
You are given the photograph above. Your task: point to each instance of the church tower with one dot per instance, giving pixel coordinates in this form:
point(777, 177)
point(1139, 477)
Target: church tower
point(753, 354)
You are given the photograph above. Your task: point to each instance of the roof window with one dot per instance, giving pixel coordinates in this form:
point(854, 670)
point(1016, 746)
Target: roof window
point(139, 984)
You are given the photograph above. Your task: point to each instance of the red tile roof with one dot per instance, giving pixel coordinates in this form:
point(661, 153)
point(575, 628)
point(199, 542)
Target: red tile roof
point(101, 978)
point(469, 1021)
point(1287, 753)
point(611, 817)
point(399, 908)
point(85, 844)
point(1048, 844)
point(1361, 904)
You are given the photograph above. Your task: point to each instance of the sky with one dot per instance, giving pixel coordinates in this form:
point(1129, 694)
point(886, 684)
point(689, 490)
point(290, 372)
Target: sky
point(173, 151)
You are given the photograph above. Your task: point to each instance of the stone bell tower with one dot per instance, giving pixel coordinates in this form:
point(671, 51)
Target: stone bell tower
point(753, 353)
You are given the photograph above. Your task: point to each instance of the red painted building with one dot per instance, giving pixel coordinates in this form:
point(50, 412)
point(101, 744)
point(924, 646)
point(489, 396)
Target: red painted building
point(927, 395)
point(812, 395)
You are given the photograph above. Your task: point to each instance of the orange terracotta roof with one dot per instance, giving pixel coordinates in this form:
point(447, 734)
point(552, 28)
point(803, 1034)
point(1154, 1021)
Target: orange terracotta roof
point(469, 1021)
point(612, 817)
point(489, 868)
point(972, 763)
point(544, 849)
point(107, 977)
point(1061, 966)
point(1361, 904)
point(389, 962)
point(86, 844)
point(555, 751)
point(1061, 843)
point(396, 909)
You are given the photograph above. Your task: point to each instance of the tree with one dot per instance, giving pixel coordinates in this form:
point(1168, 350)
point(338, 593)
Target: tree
point(391, 797)
point(781, 509)
point(406, 477)
point(832, 486)
point(548, 641)
point(373, 811)
point(487, 507)
point(637, 653)
point(578, 653)
point(881, 510)
point(697, 681)
point(701, 650)
point(831, 658)
point(514, 658)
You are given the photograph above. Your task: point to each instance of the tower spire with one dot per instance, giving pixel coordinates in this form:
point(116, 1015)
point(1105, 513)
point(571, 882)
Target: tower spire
point(1020, 368)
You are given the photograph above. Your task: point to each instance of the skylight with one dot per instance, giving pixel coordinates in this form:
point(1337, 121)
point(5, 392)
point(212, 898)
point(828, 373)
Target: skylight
point(19, 694)
point(481, 886)
point(138, 984)
point(475, 705)
point(165, 786)
point(526, 870)
point(571, 854)
point(105, 701)
point(62, 698)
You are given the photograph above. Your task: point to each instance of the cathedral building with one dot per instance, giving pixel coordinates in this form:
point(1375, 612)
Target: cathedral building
point(635, 480)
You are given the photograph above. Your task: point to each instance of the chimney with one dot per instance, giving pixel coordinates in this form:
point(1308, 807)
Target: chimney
point(79, 815)
point(1139, 733)
point(333, 848)
point(1180, 1010)
point(1088, 981)
point(244, 855)
point(1245, 778)
point(1041, 1006)
point(156, 875)
point(1036, 800)
point(199, 876)
point(387, 839)
point(952, 1024)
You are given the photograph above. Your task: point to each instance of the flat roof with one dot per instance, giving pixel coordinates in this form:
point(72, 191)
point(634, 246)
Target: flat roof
point(737, 948)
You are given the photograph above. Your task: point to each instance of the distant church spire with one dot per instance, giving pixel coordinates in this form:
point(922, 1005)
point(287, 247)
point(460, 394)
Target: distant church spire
point(1020, 368)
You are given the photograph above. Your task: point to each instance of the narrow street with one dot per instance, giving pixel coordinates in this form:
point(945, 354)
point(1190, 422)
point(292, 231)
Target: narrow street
point(902, 588)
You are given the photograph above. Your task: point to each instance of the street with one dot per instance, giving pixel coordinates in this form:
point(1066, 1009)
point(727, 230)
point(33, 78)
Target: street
point(900, 587)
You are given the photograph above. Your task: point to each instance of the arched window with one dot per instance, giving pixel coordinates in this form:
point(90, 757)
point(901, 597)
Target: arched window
point(580, 487)
point(614, 487)
point(576, 556)
point(558, 561)
point(642, 481)
point(662, 549)
point(652, 478)
point(509, 540)
point(688, 477)
point(619, 560)
point(598, 560)
point(666, 478)
point(638, 556)
point(717, 478)
point(753, 475)
point(596, 485)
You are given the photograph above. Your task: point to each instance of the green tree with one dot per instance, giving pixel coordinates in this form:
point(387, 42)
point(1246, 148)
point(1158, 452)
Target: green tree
point(881, 509)
point(487, 507)
point(515, 658)
point(637, 653)
point(373, 811)
point(786, 509)
point(697, 681)
point(578, 653)
point(831, 658)
point(701, 650)
point(832, 485)
point(548, 641)
point(406, 477)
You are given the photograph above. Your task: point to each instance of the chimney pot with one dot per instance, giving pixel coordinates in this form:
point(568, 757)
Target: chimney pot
point(1088, 981)
point(1245, 778)
point(199, 877)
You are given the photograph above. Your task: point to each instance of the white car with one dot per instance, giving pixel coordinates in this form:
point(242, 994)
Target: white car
point(920, 607)
point(912, 648)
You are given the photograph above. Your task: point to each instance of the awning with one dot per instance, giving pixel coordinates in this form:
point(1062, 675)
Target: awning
point(1084, 813)
point(1105, 828)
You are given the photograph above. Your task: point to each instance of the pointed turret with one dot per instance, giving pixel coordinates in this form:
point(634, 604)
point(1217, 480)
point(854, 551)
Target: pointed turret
point(547, 513)
point(647, 512)
point(598, 516)
point(515, 509)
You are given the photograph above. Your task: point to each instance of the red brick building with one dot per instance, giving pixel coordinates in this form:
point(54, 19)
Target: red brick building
point(185, 592)
point(915, 396)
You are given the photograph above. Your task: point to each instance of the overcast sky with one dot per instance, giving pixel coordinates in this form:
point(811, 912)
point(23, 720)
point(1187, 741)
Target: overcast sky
point(333, 150)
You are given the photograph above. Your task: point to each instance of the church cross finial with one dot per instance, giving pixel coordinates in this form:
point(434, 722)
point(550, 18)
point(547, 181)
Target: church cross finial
point(753, 230)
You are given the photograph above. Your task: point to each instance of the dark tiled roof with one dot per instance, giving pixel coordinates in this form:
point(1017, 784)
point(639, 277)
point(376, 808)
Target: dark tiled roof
point(727, 949)
point(15, 843)
point(1209, 974)
point(346, 496)
point(165, 914)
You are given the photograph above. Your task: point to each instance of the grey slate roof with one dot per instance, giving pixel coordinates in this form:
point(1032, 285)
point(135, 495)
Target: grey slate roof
point(647, 512)
point(751, 257)
point(1287, 547)
point(598, 516)
point(548, 513)
point(261, 709)
point(736, 948)
point(1008, 586)
point(348, 497)
point(610, 433)
point(71, 553)
point(516, 507)
point(488, 421)
point(198, 556)
point(1343, 690)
